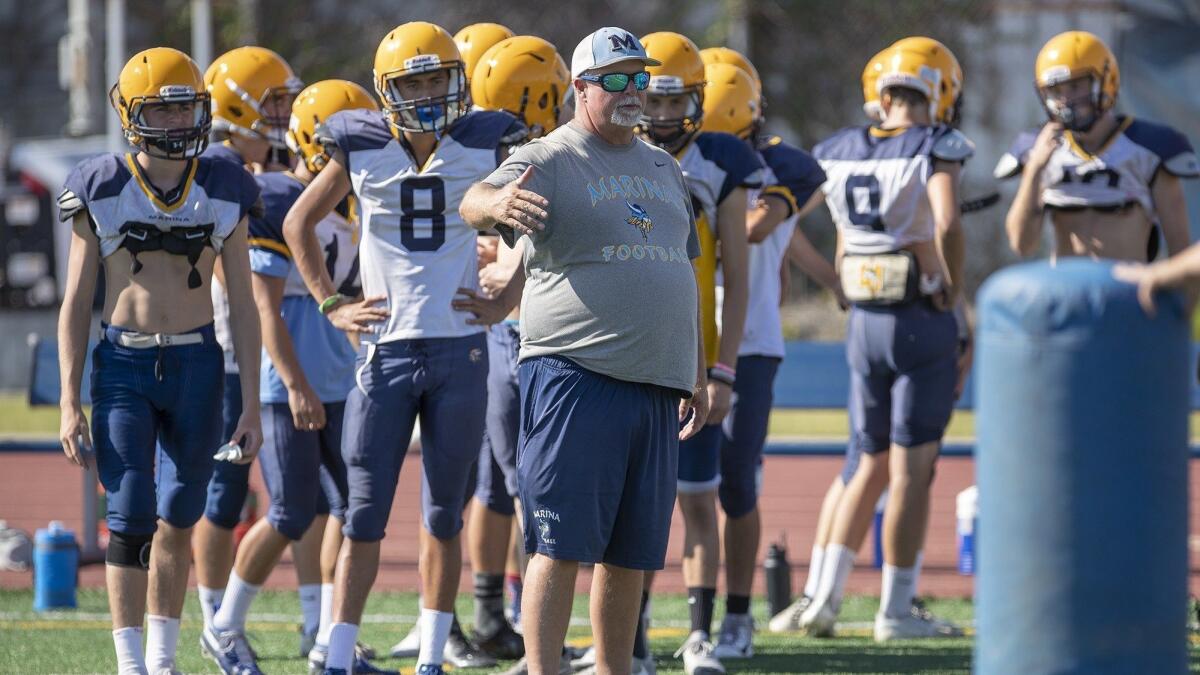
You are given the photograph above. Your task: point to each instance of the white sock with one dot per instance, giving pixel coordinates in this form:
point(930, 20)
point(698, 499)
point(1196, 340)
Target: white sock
point(814, 571)
point(917, 570)
point(835, 569)
point(326, 615)
point(435, 629)
point(310, 606)
point(162, 637)
point(130, 659)
point(210, 602)
point(236, 604)
point(342, 637)
point(897, 591)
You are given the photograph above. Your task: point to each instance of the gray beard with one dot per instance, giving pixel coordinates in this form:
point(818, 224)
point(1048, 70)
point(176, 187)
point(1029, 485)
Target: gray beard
point(623, 119)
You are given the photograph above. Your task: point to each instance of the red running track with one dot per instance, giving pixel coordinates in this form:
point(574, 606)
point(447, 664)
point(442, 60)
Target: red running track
point(36, 488)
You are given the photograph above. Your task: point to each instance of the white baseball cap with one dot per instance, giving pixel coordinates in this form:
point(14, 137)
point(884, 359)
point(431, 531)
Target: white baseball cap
point(607, 46)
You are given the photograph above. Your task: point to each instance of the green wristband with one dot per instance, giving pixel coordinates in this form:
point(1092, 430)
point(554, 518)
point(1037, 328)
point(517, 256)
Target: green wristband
point(332, 301)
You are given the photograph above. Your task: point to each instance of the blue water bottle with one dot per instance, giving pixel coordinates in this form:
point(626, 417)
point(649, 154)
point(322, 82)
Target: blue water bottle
point(967, 514)
point(55, 564)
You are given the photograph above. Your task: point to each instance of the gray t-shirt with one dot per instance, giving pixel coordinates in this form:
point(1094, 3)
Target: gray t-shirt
point(609, 282)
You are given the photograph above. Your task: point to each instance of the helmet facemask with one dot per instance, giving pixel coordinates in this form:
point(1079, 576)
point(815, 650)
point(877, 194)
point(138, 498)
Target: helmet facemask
point(1080, 108)
point(275, 109)
point(426, 114)
point(175, 143)
point(672, 132)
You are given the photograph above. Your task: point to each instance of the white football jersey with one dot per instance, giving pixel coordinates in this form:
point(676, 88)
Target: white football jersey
point(414, 247)
point(876, 182)
point(1119, 175)
point(792, 175)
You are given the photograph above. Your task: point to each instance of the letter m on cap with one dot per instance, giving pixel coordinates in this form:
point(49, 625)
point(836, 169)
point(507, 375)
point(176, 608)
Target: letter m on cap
point(623, 44)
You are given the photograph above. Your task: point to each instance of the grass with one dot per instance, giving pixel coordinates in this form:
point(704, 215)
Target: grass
point(80, 641)
point(17, 418)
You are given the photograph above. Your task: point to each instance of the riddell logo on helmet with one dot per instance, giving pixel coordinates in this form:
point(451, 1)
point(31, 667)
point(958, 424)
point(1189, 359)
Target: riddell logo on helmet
point(422, 62)
point(1055, 74)
point(666, 84)
point(176, 91)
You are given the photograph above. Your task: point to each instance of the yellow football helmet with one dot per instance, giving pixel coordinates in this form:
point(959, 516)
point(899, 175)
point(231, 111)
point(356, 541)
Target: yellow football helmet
point(411, 49)
point(474, 41)
point(162, 76)
point(252, 90)
point(1069, 56)
point(870, 79)
point(731, 102)
point(681, 72)
point(927, 66)
point(525, 76)
point(313, 106)
point(732, 57)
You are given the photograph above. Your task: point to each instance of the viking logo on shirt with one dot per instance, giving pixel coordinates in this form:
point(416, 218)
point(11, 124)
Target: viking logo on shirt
point(639, 219)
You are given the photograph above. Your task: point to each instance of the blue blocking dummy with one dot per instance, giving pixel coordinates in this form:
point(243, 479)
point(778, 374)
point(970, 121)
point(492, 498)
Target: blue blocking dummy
point(1082, 461)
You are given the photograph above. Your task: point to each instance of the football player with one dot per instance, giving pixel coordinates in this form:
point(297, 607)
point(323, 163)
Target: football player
point(309, 371)
point(408, 168)
point(251, 89)
point(156, 221)
point(732, 104)
point(1109, 182)
point(893, 192)
point(719, 168)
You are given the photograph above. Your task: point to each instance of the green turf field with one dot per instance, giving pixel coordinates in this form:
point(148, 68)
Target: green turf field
point(81, 642)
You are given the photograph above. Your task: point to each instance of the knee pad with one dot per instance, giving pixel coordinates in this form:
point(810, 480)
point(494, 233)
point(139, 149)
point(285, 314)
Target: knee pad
point(443, 523)
point(128, 550)
point(738, 493)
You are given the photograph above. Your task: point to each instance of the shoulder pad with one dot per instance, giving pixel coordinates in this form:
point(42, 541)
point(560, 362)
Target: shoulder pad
point(742, 165)
point(230, 182)
point(357, 129)
point(69, 204)
point(95, 178)
point(223, 152)
point(794, 169)
point(487, 129)
point(1173, 148)
point(1013, 162)
point(846, 143)
point(953, 146)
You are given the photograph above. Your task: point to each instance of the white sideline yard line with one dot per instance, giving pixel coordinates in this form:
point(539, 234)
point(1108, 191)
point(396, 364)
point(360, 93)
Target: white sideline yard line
point(290, 619)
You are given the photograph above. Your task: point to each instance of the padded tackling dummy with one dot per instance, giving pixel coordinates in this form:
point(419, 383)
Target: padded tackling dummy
point(1082, 467)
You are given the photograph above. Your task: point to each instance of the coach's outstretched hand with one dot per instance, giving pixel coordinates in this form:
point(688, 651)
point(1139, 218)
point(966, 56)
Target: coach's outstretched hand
point(698, 405)
point(521, 209)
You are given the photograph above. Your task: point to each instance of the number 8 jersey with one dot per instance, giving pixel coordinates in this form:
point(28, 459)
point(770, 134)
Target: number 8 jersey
point(875, 182)
point(415, 248)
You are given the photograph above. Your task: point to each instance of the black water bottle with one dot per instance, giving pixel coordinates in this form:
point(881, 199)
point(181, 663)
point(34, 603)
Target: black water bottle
point(779, 579)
